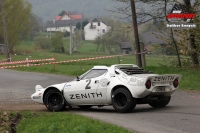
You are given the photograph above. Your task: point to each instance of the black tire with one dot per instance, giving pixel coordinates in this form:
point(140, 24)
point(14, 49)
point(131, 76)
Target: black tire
point(161, 102)
point(54, 100)
point(85, 106)
point(123, 101)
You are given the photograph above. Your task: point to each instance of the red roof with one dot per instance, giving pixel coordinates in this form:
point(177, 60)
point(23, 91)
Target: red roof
point(58, 17)
point(77, 16)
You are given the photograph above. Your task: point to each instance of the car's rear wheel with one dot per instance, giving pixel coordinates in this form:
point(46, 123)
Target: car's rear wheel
point(123, 101)
point(161, 102)
point(85, 106)
point(54, 100)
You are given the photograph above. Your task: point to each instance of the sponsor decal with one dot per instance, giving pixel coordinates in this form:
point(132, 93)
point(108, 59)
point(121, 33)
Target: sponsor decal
point(164, 78)
point(85, 96)
point(36, 97)
point(104, 82)
point(68, 86)
point(180, 13)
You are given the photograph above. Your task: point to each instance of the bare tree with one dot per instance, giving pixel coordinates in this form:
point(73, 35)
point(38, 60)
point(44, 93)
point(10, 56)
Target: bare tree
point(147, 10)
point(8, 54)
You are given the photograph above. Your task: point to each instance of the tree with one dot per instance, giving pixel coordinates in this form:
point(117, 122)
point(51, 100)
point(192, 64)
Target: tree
point(62, 13)
point(35, 25)
point(57, 42)
point(156, 9)
point(17, 20)
point(84, 23)
point(76, 40)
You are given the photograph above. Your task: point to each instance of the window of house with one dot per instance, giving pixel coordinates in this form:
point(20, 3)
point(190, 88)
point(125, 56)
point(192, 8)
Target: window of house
point(103, 31)
point(99, 23)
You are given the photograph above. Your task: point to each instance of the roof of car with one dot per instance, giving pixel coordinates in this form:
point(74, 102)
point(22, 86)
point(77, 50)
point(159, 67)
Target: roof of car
point(100, 67)
point(124, 65)
point(116, 65)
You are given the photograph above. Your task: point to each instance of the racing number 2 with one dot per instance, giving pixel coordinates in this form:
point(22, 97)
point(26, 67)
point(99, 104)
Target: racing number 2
point(87, 86)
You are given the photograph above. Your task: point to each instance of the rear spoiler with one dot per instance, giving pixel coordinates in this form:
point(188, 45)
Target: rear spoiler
point(165, 78)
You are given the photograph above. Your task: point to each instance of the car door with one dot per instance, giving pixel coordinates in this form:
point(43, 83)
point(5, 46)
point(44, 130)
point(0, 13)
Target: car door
point(83, 91)
point(102, 90)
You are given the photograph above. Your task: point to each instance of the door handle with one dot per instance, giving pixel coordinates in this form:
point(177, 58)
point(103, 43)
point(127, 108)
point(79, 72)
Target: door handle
point(96, 81)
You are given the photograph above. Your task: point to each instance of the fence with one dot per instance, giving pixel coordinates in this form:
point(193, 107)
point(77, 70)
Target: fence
point(28, 63)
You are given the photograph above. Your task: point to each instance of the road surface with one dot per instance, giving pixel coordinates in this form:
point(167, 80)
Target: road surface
point(182, 115)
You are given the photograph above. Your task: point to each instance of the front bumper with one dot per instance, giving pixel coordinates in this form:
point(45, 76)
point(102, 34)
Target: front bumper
point(38, 96)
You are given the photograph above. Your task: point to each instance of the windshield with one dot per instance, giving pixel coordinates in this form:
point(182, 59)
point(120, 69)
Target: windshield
point(81, 76)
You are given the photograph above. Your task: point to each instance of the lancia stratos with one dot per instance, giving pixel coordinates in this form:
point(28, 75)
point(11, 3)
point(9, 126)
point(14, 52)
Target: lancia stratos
point(123, 86)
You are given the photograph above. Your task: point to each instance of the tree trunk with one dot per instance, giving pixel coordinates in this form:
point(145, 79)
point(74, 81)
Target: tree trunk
point(176, 47)
point(8, 54)
point(194, 54)
point(193, 45)
point(135, 27)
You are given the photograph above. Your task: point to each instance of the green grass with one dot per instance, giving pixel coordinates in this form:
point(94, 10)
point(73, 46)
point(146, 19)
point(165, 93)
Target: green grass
point(63, 123)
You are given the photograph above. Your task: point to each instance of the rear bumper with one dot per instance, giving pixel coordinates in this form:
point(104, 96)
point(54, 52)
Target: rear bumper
point(150, 99)
point(142, 92)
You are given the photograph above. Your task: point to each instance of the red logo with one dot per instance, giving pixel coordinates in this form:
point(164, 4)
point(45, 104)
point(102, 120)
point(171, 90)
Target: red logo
point(181, 16)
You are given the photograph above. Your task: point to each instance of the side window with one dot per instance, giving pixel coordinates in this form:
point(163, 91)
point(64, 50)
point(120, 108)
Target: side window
point(94, 73)
point(103, 31)
point(99, 23)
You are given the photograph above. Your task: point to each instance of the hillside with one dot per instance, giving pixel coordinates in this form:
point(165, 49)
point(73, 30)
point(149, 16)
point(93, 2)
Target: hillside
point(48, 9)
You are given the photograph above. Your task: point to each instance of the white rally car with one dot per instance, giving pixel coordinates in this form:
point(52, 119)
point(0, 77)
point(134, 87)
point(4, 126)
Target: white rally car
point(122, 86)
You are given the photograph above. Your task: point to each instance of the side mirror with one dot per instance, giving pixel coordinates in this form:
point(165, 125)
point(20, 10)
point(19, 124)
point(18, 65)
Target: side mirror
point(77, 78)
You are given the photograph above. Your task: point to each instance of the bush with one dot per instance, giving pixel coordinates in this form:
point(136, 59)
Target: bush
point(21, 50)
point(57, 42)
point(43, 42)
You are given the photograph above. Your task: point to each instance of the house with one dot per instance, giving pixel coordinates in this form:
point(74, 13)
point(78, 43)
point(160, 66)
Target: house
point(63, 23)
point(2, 49)
point(126, 47)
point(95, 28)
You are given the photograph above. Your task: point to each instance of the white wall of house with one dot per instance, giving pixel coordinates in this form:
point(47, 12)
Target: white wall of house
point(65, 17)
point(96, 30)
point(61, 29)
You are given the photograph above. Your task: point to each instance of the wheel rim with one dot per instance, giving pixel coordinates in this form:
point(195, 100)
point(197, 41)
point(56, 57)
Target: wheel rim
point(55, 100)
point(120, 100)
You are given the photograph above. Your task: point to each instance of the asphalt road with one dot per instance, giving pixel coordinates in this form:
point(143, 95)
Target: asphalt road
point(182, 115)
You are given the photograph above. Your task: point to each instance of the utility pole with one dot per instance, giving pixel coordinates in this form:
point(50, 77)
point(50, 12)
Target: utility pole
point(135, 27)
point(8, 55)
point(70, 47)
point(81, 29)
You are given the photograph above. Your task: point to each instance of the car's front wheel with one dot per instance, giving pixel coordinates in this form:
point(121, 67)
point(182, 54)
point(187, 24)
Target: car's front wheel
point(54, 100)
point(161, 102)
point(123, 101)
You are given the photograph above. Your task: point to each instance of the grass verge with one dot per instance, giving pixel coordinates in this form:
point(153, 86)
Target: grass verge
point(32, 122)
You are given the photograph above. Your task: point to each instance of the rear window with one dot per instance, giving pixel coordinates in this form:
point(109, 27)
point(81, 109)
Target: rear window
point(130, 70)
